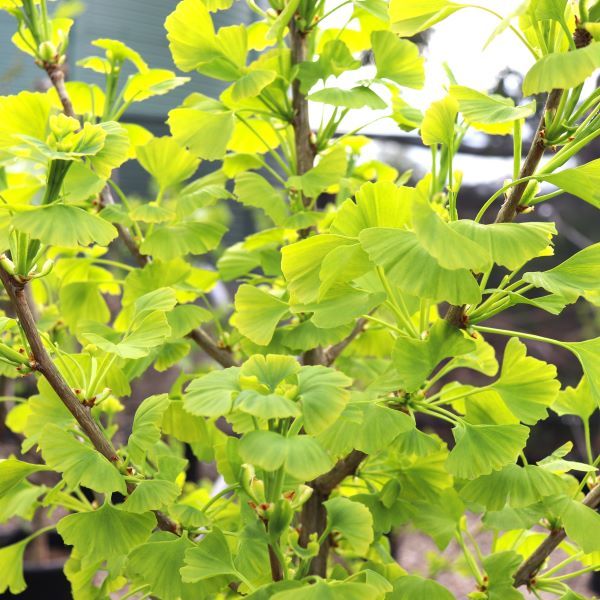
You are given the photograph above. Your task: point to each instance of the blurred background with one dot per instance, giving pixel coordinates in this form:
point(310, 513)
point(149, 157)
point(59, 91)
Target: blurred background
point(458, 45)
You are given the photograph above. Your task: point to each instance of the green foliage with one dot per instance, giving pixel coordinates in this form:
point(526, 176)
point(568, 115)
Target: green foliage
point(331, 396)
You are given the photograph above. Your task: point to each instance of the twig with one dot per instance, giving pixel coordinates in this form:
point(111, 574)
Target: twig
point(201, 337)
point(532, 565)
point(41, 362)
point(332, 353)
point(509, 210)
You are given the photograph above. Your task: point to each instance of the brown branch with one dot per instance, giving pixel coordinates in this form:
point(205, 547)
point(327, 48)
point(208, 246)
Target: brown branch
point(532, 565)
point(509, 210)
point(221, 355)
point(42, 363)
point(305, 149)
point(201, 337)
point(313, 518)
point(331, 354)
point(57, 77)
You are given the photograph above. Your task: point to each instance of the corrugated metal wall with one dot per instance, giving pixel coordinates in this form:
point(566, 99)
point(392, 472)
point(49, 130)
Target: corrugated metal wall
point(138, 23)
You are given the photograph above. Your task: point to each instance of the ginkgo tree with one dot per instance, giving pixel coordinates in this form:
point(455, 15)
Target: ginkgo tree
point(317, 388)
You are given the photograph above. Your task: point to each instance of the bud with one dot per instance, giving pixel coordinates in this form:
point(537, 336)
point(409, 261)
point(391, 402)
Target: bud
point(46, 268)
point(280, 519)
point(13, 356)
point(311, 550)
point(303, 494)
point(7, 264)
point(47, 52)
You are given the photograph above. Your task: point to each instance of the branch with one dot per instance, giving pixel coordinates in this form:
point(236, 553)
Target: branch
point(532, 565)
point(201, 337)
point(42, 363)
point(221, 355)
point(57, 77)
point(509, 210)
point(305, 150)
point(325, 484)
point(332, 353)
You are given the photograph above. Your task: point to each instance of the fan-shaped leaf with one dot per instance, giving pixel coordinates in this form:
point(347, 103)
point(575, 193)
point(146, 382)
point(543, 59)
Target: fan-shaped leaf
point(481, 449)
point(166, 161)
point(414, 271)
point(562, 70)
point(353, 520)
point(62, 225)
point(79, 463)
point(397, 60)
point(105, 533)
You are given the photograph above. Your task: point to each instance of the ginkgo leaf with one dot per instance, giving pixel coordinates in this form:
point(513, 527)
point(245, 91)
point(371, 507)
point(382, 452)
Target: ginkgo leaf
point(13, 472)
point(380, 204)
point(414, 271)
point(194, 44)
point(11, 568)
point(146, 427)
point(562, 70)
point(26, 113)
point(257, 313)
point(328, 172)
point(356, 97)
point(409, 17)
point(353, 521)
point(79, 463)
point(397, 60)
point(581, 181)
point(271, 369)
point(492, 114)
point(576, 401)
point(205, 133)
point(509, 244)
point(153, 82)
point(266, 406)
point(114, 152)
point(301, 264)
point(62, 225)
point(481, 449)
point(147, 333)
point(107, 532)
point(209, 558)
point(300, 456)
point(587, 352)
point(252, 83)
point(171, 241)
point(153, 494)
point(451, 249)
point(211, 395)
point(157, 563)
point(414, 360)
point(342, 304)
point(80, 301)
point(439, 121)
point(527, 386)
point(513, 486)
point(251, 189)
point(356, 263)
point(576, 276)
point(581, 522)
point(411, 587)
point(166, 161)
point(322, 395)
point(500, 568)
point(118, 51)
